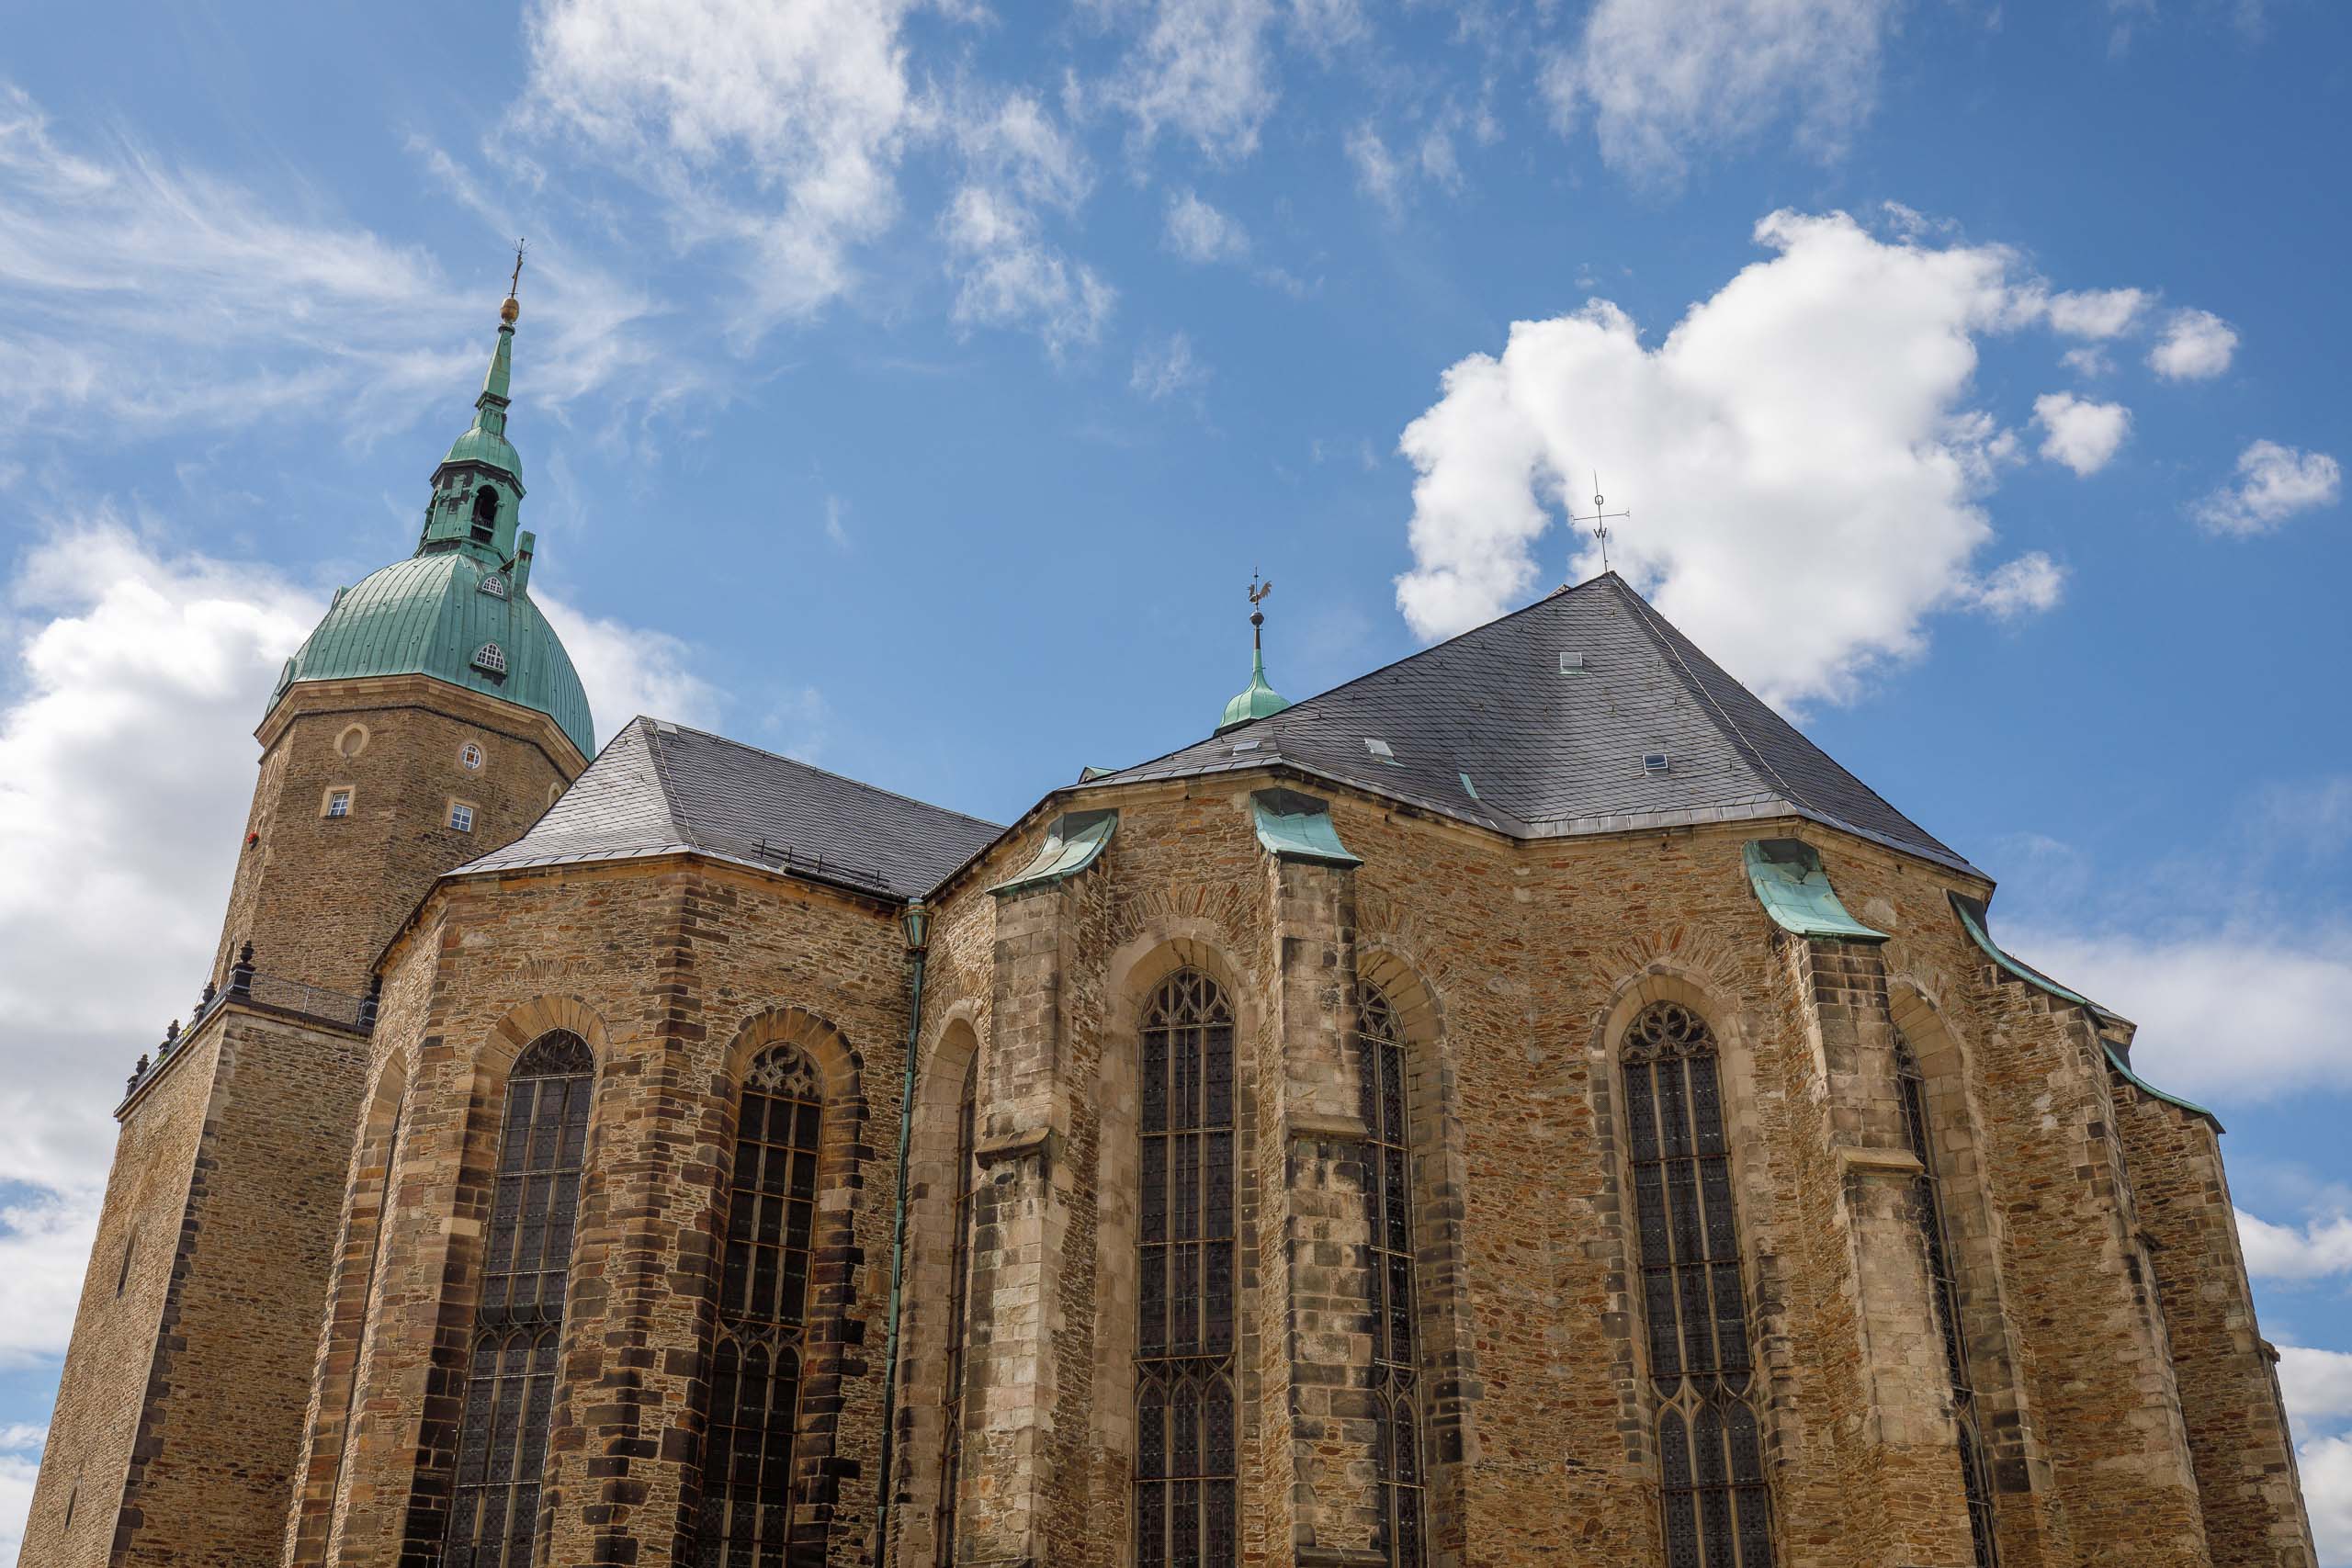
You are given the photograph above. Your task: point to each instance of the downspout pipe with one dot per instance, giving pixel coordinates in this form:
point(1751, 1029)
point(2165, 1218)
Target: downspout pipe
point(917, 923)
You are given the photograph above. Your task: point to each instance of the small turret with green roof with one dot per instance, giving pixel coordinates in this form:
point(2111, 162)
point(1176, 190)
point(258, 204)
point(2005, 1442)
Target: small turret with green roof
point(1256, 700)
point(459, 609)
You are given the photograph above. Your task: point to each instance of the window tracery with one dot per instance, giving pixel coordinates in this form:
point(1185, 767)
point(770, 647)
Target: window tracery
point(1943, 1282)
point(527, 1259)
point(1395, 1355)
point(1185, 1459)
point(754, 1390)
point(1716, 1509)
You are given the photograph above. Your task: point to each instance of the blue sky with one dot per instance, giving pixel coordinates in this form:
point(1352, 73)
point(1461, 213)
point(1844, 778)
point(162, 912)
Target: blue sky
point(916, 389)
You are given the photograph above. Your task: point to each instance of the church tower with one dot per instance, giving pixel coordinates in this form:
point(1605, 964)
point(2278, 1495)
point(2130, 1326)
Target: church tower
point(431, 717)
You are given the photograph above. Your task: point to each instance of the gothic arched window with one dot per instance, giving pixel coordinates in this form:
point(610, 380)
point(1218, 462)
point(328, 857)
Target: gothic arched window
point(485, 524)
point(1184, 1398)
point(1694, 1310)
point(754, 1384)
point(959, 1264)
point(1395, 1361)
point(526, 1259)
point(1944, 1284)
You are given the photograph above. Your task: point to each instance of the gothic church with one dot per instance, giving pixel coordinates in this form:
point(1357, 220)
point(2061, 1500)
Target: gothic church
point(1527, 1105)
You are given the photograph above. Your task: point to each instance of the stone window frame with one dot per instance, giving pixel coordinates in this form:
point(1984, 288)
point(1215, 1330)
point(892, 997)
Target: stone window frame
point(471, 756)
point(1948, 1065)
point(431, 1455)
point(954, 1048)
point(1114, 1110)
point(349, 731)
point(1769, 1346)
point(1444, 1324)
point(337, 1419)
point(350, 802)
point(831, 1352)
point(449, 810)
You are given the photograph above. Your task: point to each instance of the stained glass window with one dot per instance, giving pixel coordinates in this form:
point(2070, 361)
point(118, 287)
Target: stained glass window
point(1944, 1285)
point(1395, 1361)
point(527, 1257)
point(754, 1386)
point(1186, 1466)
point(1694, 1310)
point(959, 1265)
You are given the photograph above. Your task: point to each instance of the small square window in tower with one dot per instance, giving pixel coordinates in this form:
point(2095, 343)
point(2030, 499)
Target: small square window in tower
point(461, 817)
point(490, 659)
point(338, 802)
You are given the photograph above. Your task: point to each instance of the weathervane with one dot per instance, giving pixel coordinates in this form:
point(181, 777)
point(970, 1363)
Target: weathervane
point(1257, 616)
point(1600, 519)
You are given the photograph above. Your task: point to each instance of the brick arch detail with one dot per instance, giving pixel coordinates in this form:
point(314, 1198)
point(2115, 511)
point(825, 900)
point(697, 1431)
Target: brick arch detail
point(833, 1336)
point(1446, 1328)
point(954, 1046)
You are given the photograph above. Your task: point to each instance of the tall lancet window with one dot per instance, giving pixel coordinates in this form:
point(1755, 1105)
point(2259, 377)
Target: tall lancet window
point(1396, 1359)
point(1184, 1331)
point(959, 1265)
point(754, 1383)
point(1717, 1512)
point(1944, 1283)
point(510, 1374)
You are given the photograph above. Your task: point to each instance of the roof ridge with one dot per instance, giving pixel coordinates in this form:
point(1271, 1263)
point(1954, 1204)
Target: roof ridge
point(1644, 612)
point(1248, 724)
point(651, 730)
point(825, 772)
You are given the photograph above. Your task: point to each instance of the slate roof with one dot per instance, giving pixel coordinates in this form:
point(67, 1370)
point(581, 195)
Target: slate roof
point(660, 788)
point(1547, 753)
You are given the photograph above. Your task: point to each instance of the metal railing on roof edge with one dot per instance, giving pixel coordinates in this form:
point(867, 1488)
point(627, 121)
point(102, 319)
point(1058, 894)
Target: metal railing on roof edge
point(249, 985)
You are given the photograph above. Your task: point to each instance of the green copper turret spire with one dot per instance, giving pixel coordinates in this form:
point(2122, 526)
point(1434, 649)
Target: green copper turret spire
point(1258, 700)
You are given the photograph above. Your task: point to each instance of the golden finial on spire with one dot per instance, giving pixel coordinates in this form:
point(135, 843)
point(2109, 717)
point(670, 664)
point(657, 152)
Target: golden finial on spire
point(512, 309)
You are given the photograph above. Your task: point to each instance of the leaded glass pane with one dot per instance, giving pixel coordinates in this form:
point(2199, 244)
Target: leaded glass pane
point(959, 1267)
point(753, 1393)
point(1388, 1183)
point(527, 1257)
point(1716, 1509)
point(1185, 1454)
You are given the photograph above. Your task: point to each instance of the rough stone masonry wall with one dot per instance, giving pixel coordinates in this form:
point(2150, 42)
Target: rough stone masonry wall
point(228, 1171)
point(319, 897)
point(2227, 1372)
point(677, 975)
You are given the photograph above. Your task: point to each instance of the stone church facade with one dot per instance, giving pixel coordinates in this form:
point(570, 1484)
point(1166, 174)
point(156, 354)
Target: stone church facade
point(1526, 1105)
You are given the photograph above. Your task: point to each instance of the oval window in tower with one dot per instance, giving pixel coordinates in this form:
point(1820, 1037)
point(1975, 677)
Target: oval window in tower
point(470, 757)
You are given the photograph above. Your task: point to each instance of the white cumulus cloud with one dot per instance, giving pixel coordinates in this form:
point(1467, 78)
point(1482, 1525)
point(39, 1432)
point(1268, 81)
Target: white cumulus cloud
point(2314, 1250)
point(2274, 482)
point(2326, 1467)
point(2078, 433)
point(20, 1447)
point(2096, 314)
point(1203, 68)
point(2196, 344)
point(1662, 80)
point(1802, 438)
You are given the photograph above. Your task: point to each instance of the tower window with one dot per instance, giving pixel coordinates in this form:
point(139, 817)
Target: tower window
point(485, 514)
point(338, 802)
point(122, 1277)
point(490, 659)
point(469, 756)
point(461, 815)
point(493, 585)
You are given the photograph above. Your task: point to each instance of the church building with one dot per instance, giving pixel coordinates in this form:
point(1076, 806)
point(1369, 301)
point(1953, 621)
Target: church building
point(1526, 1105)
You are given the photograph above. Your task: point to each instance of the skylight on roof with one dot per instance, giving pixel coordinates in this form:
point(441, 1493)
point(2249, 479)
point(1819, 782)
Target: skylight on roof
point(1571, 664)
point(1467, 787)
point(1381, 750)
point(1240, 746)
point(1656, 762)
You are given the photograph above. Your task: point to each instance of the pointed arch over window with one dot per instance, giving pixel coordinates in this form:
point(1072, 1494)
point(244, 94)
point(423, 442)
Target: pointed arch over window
point(1943, 1281)
point(1185, 1467)
point(1395, 1349)
point(526, 1261)
point(1694, 1307)
point(959, 1266)
point(754, 1386)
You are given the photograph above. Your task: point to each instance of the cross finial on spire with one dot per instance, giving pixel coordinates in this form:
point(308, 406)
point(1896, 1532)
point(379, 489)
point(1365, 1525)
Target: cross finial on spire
point(513, 307)
point(1600, 519)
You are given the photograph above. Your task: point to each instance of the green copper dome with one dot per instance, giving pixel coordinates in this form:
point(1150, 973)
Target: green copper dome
point(1256, 701)
point(460, 609)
